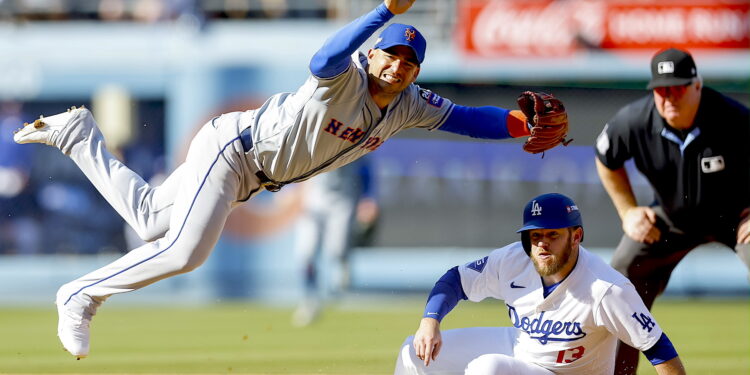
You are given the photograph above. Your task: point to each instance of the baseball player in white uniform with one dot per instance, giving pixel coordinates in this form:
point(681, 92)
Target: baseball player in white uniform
point(351, 103)
point(568, 308)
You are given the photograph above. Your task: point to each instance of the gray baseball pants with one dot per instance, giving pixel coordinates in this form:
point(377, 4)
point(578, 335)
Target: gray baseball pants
point(183, 217)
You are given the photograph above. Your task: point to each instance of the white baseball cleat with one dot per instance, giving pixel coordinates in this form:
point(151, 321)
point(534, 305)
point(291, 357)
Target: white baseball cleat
point(74, 321)
point(307, 312)
point(62, 130)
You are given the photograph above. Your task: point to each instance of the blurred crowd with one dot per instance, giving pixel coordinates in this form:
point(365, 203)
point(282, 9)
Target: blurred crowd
point(47, 205)
point(165, 10)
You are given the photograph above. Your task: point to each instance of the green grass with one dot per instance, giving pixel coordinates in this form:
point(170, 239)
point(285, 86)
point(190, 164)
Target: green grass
point(713, 337)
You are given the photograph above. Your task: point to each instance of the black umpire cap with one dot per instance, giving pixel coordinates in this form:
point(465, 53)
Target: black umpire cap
point(672, 67)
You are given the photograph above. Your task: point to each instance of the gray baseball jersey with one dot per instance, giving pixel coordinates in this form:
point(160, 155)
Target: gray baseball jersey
point(331, 122)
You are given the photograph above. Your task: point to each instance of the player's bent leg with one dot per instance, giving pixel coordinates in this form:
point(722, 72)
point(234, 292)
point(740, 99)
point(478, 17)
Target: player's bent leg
point(460, 346)
point(144, 207)
point(502, 364)
point(203, 202)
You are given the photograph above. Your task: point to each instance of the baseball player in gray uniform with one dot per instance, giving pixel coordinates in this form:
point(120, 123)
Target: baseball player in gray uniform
point(348, 107)
point(326, 232)
point(568, 308)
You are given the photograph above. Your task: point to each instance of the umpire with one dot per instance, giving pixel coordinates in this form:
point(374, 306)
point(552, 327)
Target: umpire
point(691, 143)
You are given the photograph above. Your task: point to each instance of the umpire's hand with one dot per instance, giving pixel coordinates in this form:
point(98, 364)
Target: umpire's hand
point(398, 6)
point(743, 230)
point(639, 224)
point(427, 340)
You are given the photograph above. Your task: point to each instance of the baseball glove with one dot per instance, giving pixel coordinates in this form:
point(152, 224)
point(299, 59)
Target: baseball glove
point(547, 119)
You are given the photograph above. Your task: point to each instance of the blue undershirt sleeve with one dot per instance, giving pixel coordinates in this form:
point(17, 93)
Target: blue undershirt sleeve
point(479, 122)
point(334, 57)
point(445, 295)
point(662, 351)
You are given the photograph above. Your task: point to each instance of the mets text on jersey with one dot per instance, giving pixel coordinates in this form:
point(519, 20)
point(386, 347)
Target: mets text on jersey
point(353, 135)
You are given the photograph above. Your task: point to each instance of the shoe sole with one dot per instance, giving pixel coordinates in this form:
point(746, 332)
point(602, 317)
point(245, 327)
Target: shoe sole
point(37, 125)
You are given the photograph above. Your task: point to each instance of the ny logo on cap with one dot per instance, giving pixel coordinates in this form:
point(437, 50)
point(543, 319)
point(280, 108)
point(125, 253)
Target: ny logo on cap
point(409, 34)
point(665, 67)
point(536, 209)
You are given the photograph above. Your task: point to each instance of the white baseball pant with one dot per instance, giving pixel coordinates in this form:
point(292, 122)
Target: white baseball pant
point(184, 216)
point(470, 351)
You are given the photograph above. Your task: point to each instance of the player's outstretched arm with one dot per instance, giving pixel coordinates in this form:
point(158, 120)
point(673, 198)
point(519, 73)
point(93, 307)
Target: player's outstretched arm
point(428, 340)
point(672, 367)
point(334, 57)
point(398, 6)
point(542, 118)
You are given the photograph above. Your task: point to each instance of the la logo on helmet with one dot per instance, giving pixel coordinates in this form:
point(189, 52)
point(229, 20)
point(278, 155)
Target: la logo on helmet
point(536, 209)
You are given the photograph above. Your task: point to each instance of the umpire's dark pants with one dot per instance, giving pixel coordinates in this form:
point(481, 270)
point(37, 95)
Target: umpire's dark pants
point(649, 267)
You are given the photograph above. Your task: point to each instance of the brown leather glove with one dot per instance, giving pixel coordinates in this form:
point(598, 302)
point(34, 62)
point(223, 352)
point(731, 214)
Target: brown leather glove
point(548, 121)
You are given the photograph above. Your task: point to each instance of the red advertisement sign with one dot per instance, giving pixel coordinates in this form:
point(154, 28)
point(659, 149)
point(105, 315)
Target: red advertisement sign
point(548, 27)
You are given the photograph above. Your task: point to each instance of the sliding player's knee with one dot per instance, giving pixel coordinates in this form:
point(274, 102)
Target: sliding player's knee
point(491, 364)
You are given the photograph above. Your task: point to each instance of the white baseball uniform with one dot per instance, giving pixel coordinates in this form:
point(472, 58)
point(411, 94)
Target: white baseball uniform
point(574, 330)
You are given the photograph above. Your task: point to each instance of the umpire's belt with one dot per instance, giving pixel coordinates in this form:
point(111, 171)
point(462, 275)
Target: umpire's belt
point(247, 144)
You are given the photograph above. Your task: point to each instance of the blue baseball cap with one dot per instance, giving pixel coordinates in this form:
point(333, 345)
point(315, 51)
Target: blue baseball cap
point(397, 34)
point(550, 211)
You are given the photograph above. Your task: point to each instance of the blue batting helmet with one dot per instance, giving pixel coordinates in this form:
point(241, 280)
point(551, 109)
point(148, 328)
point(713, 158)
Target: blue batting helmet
point(549, 211)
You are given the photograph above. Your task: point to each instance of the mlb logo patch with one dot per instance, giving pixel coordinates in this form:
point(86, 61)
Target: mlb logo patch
point(478, 265)
point(712, 164)
point(665, 67)
point(432, 99)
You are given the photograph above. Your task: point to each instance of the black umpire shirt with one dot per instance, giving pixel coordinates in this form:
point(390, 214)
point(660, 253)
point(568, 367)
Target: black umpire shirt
point(700, 177)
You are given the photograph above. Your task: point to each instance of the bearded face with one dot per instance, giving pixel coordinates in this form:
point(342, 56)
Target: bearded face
point(550, 264)
point(551, 250)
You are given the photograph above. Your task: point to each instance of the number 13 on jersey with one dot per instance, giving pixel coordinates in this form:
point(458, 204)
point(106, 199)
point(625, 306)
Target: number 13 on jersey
point(570, 355)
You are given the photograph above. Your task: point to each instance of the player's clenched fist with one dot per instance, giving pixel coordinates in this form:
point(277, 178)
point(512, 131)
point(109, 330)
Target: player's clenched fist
point(398, 6)
point(427, 340)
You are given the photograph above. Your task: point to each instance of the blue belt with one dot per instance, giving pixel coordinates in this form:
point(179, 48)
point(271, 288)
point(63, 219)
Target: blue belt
point(247, 144)
point(247, 140)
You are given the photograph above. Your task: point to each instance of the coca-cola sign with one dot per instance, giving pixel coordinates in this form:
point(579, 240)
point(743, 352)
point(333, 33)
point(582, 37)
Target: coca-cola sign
point(547, 27)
